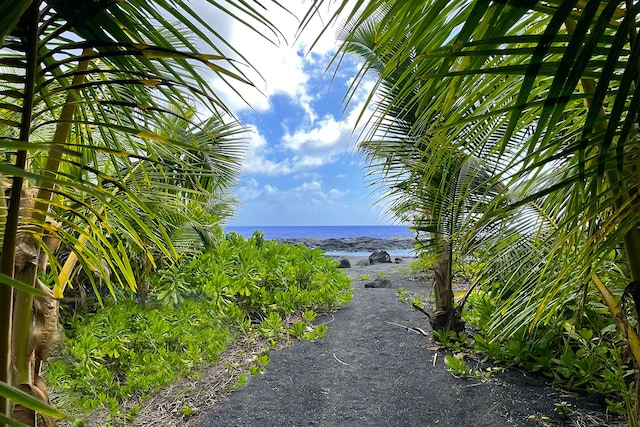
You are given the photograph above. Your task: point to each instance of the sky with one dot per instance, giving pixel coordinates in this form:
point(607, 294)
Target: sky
point(301, 166)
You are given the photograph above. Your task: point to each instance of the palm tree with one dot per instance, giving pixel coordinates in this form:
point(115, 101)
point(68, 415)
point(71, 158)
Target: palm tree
point(179, 193)
point(568, 71)
point(431, 183)
point(91, 94)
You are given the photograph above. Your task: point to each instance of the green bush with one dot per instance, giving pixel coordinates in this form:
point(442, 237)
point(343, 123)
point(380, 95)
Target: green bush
point(257, 275)
point(196, 309)
point(579, 350)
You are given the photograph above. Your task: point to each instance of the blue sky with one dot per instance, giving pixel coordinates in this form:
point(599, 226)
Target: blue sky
point(301, 166)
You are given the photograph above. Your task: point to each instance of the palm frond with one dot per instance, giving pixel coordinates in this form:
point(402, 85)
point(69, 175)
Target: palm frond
point(544, 94)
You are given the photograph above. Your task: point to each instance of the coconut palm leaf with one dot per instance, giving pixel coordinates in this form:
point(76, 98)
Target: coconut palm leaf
point(551, 89)
point(95, 109)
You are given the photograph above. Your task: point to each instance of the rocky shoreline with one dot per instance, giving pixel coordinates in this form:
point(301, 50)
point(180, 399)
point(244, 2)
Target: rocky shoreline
point(354, 244)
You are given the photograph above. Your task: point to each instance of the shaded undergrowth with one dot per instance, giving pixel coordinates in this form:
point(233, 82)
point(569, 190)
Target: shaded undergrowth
point(579, 349)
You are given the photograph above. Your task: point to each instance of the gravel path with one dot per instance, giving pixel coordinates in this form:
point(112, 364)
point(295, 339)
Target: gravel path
point(369, 370)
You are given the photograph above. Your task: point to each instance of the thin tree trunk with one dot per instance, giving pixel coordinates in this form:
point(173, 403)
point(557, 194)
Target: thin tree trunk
point(11, 225)
point(23, 339)
point(442, 289)
point(445, 315)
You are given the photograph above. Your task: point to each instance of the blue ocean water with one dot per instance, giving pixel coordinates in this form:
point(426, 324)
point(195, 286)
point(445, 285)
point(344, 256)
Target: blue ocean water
point(322, 231)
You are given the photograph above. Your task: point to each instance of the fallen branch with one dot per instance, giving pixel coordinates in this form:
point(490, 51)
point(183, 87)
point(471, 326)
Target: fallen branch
point(336, 357)
point(417, 330)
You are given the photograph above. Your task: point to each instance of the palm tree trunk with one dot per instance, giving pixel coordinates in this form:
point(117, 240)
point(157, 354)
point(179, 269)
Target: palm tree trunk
point(442, 270)
point(13, 213)
point(446, 316)
point(24, 344)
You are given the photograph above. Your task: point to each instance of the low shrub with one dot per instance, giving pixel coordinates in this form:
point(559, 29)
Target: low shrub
point(195, 310)
point(580, 350)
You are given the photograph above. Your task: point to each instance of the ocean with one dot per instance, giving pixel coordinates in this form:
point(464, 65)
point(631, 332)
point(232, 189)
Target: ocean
point(328, 232)
point(322, 231)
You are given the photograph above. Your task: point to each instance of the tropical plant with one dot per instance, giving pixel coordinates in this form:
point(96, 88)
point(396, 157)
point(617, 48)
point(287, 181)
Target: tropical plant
point(566, 71)
point(429, 182)
point(96, 110)
point(198, 308)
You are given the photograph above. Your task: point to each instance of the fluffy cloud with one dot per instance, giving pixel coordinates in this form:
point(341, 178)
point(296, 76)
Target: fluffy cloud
point(292, 153)
point(312, 191)
point(257, 159)
point(283, 65)
point(273, 62)
point(301, 151)
point(326, 133)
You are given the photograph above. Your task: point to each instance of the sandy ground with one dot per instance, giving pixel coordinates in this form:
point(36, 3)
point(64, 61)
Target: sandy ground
point(371, 369)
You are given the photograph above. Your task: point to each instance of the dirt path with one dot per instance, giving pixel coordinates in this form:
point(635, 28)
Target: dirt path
point(369, 370)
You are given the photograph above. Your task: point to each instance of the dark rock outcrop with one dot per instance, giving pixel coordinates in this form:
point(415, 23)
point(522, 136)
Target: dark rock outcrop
point(379, 282)
point(379, 257)
point(354, 244)
point(344, 263)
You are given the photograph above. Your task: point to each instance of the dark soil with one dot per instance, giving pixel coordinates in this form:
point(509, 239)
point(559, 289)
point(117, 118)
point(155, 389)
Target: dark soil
point(371, 370)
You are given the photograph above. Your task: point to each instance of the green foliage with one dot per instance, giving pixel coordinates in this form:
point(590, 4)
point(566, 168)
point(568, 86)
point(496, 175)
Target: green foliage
point(172, 285)
point(457, 367)
point(421, 264)
point(320, 331)
point(466, 271)
point(261, 362)
point(298, 329)
point(309, 315)
point(198, 306)
point(271, 326)
point(452, 340)
point(559, 201)
point(563, 408)
point(580, 349)
point(125, 349)
point(242, 380)
point(187, 410)
point(403, 295)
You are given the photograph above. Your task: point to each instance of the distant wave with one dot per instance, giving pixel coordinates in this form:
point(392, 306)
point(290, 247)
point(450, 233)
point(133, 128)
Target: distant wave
point(323, 231)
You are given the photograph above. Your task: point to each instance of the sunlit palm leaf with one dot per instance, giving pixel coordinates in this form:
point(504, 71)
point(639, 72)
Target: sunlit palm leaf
point(551, 89)
point(109, 81)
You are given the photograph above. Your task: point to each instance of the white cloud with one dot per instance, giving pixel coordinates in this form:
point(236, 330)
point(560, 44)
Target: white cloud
point(257, 155)
point(326, 133)
point(311, 191)
point(307, 147)
point(302, 151)
point(278, 62)
point(312, 138)
point(284, 66)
